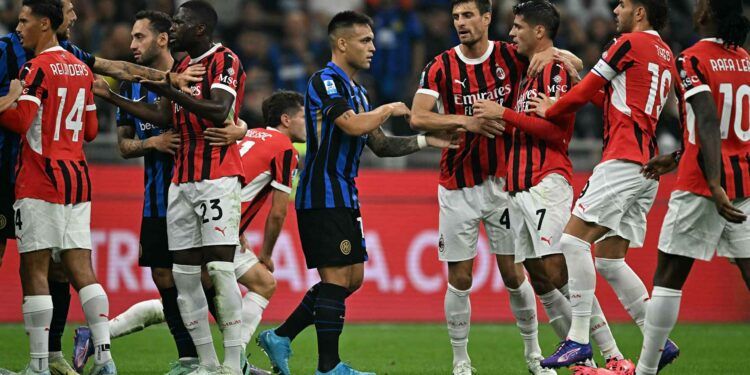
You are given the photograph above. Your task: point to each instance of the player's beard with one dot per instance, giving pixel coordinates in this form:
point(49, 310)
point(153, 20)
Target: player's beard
point(63, 35)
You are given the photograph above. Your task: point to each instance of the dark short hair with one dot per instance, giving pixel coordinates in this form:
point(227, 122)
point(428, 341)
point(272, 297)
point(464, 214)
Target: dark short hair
point(347, 19)
point(160, 21)
point(281, 103)
point(539, 12)
point(657, 12)
point(732, 26)
point(51, 9)
point(484, 6)
point(205, 13)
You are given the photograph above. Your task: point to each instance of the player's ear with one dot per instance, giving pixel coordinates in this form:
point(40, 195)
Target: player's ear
point(163, 39)
point(539, 32)
point(286, 120)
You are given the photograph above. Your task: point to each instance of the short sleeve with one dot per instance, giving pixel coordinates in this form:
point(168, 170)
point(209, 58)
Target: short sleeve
point(283, 167)
point(431, 79)
point(692, 77)
point(82, 55)
point(34, 82)
point(90, 105)
point(617, 58)
point(226, 73)
point(123, 117)
point(329, 93)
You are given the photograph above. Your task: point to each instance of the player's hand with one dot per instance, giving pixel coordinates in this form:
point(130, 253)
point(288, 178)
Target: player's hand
point(488, 109)
point(571, 69)
point(15, 89)
point(728, 211)
point(658, 166)
point(167, 142)
point(182, 81)
point(541, 103)
point(159, 87)
point(266, 261)
point(487, 128)
point(244, 246)
point(443, 140)
point(227, 135)
point(101, 88)
point(540, 60)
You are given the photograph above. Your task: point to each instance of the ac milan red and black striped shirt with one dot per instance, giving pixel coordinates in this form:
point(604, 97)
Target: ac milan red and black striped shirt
point(196, 160)
point(532, 158)
point(458, 82)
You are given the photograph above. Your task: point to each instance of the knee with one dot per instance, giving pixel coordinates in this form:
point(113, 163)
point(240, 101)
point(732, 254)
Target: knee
point(355, 284)
point(162, 277)
point(266, 285)
point(513, 280)
point(460, 280)
point(541, 285)
point(608, 267)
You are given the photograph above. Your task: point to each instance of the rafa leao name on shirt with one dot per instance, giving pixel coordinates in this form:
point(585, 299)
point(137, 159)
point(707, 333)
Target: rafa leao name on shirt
point(730, 65)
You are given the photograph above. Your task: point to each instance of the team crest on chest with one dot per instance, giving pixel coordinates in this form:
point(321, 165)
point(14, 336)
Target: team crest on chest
point(500, 72)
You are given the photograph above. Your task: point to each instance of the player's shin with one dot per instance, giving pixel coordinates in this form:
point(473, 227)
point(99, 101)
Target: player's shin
point(60, 292)
point(229, 307)
point(253, 305)
point(601, 334)
point(582, 281)
point(523, 306)
point(37, 315)
point(557, 307)
point(661, 317)
point(182, 339)
point(194, 311)
point(136, 318)
point(330, 312)
point(96, 309)
point(458, 316)
point(627, 285)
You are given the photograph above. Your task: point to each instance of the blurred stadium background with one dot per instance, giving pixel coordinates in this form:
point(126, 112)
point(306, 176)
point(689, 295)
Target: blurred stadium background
point(281, 43)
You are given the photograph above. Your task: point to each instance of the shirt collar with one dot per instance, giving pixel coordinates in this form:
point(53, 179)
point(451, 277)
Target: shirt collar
point(339, 71)
point(53, 49)
point(206, 54)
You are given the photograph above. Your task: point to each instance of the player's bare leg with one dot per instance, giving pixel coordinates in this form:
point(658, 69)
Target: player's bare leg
point(661, 313)
point(458, 312)
point(744, 265)
point(78, 267)
point(219, 262)
point(261, 285)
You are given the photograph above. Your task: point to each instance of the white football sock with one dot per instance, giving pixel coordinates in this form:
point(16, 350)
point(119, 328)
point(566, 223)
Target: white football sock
point(136, 318)
point(96, 309)
point(458, 316)
point(37, 316)
point(582, 281)
point(557, 308)
point(55, 355)
point(661, 316)
point(194, 311)
point(229, 307)
point(523, 306)
point(627, 285)
point(253, 305)
point(601, 334)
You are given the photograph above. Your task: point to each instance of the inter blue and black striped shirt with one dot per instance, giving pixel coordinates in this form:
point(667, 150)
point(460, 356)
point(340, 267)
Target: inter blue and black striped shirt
point(157, 166)
point(332, 160)
point(12, 57)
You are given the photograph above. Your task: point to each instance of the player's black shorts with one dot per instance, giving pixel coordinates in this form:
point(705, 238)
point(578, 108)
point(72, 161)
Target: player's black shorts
point(331, 237)
point(7, 194)
point(154, 247)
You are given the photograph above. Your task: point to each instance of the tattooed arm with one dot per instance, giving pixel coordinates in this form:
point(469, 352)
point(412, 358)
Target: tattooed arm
point(387, 146)
point(167, 142)
point(125, 71)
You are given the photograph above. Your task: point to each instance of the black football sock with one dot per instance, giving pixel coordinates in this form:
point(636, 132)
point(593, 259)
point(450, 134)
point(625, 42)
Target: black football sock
point(210, 296)
point(60, 292)
point(330, 310)
point(301, 317)
point(182, 339)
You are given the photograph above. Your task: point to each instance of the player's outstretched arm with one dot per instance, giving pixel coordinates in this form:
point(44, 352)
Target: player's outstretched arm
point(130, 147)
point(274, 223)
point(424, 119)
point(357, 124)
point(159, 114)
point(126, 71)
point(576, 98)
point(709, 138)
point(14, 92)
point(536, 126)
point(387, 146)
point(216, 109)
point(227, 135)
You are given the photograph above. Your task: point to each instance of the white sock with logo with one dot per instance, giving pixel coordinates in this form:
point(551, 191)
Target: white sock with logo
point(661, 317)
point(229, 307)
point(136, 318)
point(37, 316)
point(582, 282)
point(96, 309)
point(523, 306)
point(557, 307)
point(458, 317)
point(253, 305)
point(627, 285)
point(194, 311)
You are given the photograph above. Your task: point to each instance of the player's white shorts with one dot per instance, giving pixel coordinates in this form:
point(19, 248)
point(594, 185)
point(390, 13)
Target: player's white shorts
point(462, 210)
point(243, 261)
point(538, 217)
point(618, 197)
point(203, 213)
point(43, 225)
point(693, 228)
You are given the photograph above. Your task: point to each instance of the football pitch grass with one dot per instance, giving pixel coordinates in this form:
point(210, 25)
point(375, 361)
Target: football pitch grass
point(417, 348)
